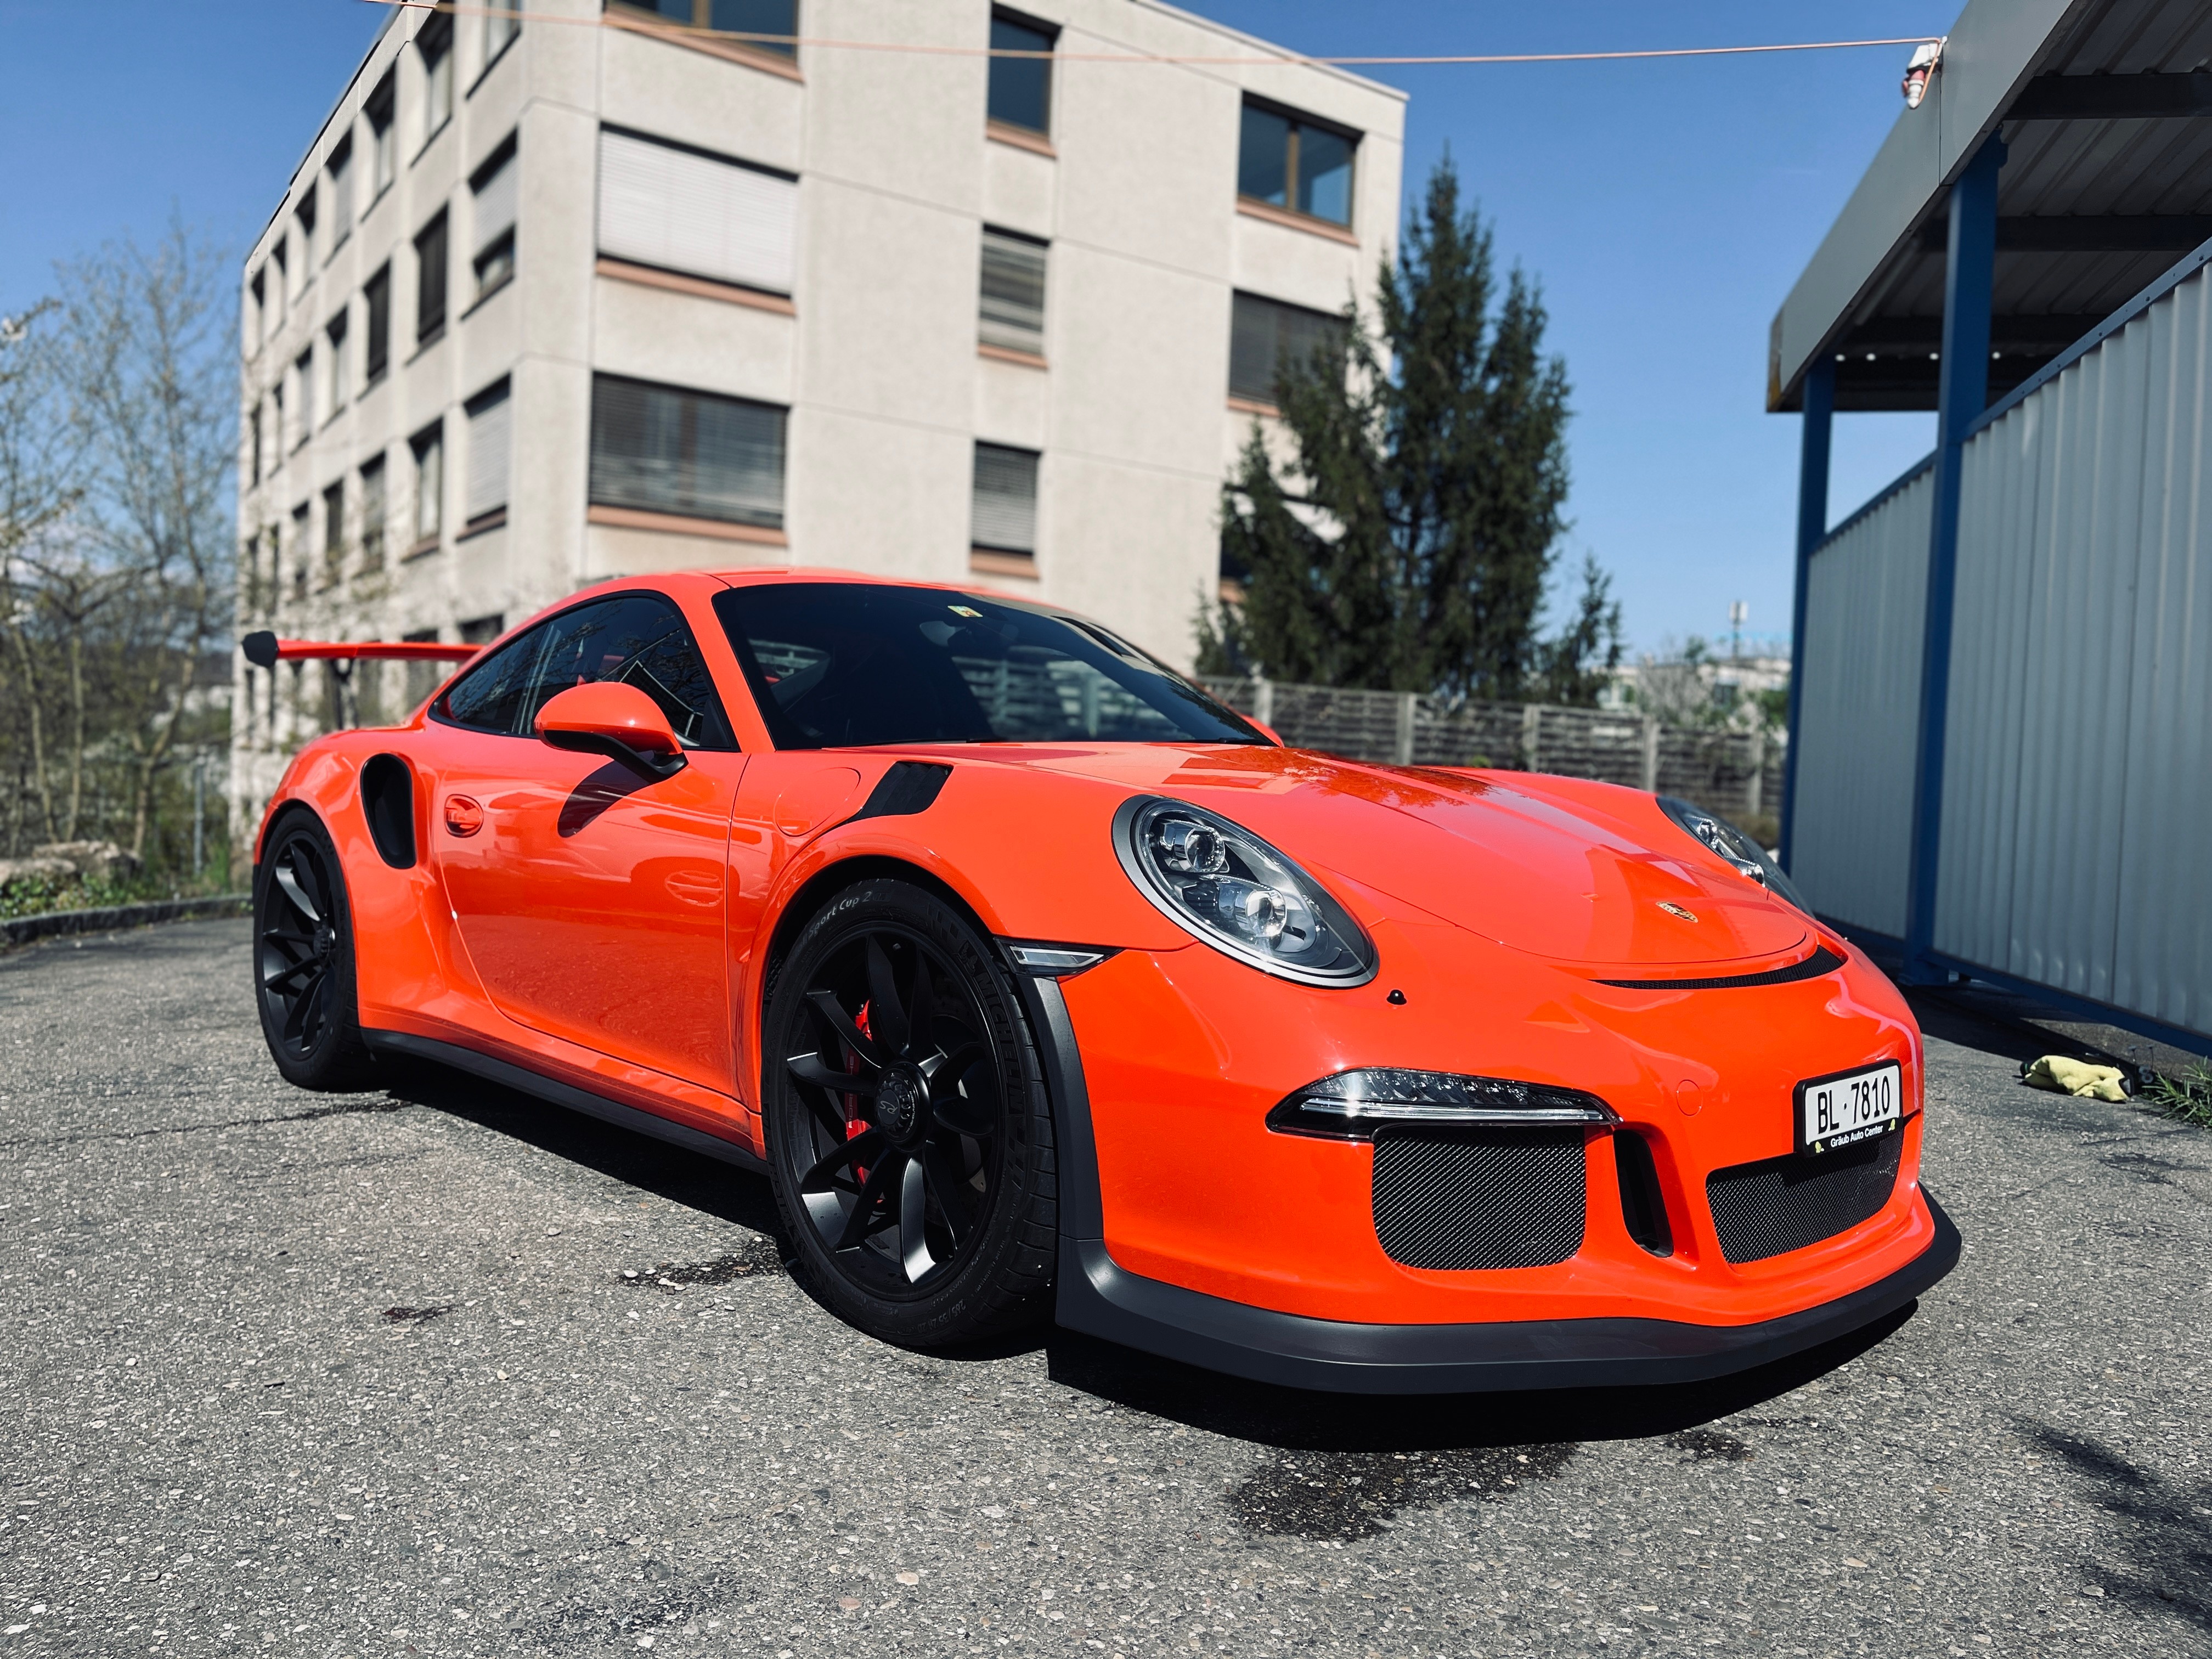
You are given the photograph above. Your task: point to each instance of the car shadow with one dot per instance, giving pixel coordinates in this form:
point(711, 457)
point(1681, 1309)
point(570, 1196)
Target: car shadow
point(689, 1178)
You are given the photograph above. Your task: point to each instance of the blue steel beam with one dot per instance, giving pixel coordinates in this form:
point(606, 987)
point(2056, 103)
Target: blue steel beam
point(1968, 268)
point(1820, 393)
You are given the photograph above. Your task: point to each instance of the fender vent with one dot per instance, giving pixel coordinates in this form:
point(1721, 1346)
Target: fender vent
point(908, 788)
point(388, 799)
point(1500, 1198)
point(1784, 1204)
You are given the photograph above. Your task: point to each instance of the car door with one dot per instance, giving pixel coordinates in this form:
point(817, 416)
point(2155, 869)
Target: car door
point(592, 900)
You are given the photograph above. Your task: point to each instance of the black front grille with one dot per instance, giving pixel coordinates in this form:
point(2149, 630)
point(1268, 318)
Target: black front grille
point(1784, 1204)
point(1496, 1199)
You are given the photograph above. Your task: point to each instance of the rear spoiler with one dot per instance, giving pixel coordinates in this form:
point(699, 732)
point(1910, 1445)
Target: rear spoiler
point(265, 650)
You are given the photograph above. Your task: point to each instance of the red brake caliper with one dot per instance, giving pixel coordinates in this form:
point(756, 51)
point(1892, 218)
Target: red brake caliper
point(855, 1123)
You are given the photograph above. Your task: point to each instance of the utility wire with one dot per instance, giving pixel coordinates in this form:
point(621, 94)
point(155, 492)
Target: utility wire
point(660, 26)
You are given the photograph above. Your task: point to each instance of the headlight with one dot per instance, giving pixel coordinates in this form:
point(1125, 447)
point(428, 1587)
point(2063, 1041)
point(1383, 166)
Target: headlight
point(1239, 895)
point(1354, 1105)
point(1732, 844)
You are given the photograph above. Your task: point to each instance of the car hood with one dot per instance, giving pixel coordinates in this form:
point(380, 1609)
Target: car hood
point(1573, 881)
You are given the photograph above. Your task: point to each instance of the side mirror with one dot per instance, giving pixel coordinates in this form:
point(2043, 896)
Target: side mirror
point(619, 721)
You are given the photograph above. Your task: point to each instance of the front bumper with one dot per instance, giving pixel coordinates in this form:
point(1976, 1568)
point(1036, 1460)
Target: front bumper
point(1099, 1298)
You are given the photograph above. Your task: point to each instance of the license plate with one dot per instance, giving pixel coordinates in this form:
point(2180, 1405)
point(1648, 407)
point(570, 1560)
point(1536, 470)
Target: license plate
point(1841, 1110)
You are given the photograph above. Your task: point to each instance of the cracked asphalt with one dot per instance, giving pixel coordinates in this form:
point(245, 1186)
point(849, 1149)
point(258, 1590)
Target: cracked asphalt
point(442, 1371)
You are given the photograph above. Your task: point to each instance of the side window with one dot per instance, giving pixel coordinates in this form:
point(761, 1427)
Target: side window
point(636, 639)
point(491, 695)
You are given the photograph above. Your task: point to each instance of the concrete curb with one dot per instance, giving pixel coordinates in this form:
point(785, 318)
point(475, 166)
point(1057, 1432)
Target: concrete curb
point(23, 929)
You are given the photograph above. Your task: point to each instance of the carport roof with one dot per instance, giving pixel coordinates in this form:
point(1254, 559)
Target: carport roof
point(2105, 109)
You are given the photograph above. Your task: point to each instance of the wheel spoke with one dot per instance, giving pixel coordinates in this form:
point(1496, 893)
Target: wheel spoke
point(944, 1071)
point(921, 1009)
point(809, 1068)
point(825, 1004)
point(954, 1195)
point(913, 1204)
point(306, 1022)
point(271, 982)
point(873, 1192)
point(887, 1016)
point(862, 1145)
point(287, 879)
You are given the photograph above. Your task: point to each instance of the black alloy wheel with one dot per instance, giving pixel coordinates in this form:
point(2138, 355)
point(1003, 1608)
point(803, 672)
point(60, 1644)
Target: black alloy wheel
point(909, 1140)
point(303, 960)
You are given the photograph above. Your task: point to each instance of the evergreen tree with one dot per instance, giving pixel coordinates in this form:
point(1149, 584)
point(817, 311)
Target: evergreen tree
point(1406, 544)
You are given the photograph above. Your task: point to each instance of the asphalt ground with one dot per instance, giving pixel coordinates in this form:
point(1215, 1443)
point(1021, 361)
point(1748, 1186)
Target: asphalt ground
point(368, 1375)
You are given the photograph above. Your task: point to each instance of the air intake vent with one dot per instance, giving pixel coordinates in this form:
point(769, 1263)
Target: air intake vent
point(1495, 1199)
point(1784, 1204)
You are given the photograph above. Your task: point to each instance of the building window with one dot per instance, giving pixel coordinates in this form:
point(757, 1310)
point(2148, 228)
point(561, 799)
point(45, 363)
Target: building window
point(429, 449)
point(681, 210)
point(492, 192)
point(305, 222)
point(253, 447)
point(1021, 87)
point(430, 280)
point(276, 423)
point(376, 303)
point(341, 172)
point(1265, 337)
point(491, 423)
point(372, 514)
point(660, 449)
point(257, 323)
point(333, 532)
point(303, 382)
point(277, 290)
point(1011, 315)
point(1288, 162)
point(340, 390)
point(300, 553)
point(435, 43)
point(383, 162)
point(770, 23)
point(502, 23)
point(1004, 519)
point(422, 678)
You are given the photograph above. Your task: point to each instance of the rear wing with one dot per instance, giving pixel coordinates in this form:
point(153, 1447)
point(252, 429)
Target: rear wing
point(265, 650)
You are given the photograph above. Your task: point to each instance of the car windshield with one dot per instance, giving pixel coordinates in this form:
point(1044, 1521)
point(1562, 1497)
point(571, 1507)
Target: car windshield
point(841, 664)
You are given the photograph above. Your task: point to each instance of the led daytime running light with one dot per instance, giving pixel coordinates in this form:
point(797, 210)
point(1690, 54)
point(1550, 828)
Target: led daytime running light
point(1352, 1105)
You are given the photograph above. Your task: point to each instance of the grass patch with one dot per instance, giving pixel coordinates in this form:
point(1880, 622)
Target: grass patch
point(2185, 1097)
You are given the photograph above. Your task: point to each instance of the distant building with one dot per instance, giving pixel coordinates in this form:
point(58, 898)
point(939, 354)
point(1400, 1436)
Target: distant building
point(1725, 685)
point(550, 299)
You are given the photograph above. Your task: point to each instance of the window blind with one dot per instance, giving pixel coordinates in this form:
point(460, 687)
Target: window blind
point(1005, 513)
point(1266, 336)
point(661, 449)
point(667, 207)
point(1013, 310)
point(495, 202)
point(490, 427)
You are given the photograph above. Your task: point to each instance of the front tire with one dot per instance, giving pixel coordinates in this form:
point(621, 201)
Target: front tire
point(910, 1138)
point(303, 960)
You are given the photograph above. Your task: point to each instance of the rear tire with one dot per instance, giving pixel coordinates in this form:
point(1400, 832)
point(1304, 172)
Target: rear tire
point(303, 959)
point(910, 1135)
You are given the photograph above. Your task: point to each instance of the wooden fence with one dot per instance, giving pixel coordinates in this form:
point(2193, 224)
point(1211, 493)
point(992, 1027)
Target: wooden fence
point(1735, 774)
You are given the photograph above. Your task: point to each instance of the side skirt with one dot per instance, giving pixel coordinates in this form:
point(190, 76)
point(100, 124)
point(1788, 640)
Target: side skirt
point(551, 1090)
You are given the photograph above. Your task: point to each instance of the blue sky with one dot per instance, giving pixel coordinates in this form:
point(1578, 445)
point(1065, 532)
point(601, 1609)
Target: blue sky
point(1665, 207)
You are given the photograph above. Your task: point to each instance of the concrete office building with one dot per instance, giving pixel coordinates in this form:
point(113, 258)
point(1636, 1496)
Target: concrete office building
point(567, 293)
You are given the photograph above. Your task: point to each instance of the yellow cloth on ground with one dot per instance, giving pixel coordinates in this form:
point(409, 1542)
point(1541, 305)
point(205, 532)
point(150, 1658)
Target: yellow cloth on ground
point(2076, 1077)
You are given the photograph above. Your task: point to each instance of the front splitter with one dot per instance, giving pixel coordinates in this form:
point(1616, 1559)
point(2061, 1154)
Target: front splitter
point(1097, 1296)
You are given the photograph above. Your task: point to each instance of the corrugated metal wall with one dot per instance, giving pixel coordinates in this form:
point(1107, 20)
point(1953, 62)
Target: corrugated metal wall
point(2077, 805)
point(1851, 843)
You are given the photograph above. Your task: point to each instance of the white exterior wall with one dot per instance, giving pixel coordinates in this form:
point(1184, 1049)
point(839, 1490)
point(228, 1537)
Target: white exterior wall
point(876, 359)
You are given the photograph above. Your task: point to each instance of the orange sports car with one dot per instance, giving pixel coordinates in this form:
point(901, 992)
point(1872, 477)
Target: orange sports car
point(1039, 983)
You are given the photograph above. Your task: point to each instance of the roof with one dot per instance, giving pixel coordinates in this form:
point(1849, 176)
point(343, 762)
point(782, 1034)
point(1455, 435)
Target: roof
point(2105, 107)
